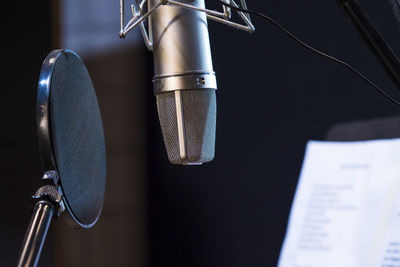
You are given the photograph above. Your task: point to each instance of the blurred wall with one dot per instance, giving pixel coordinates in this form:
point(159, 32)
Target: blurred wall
point(118, 69)
point(26, 40)
point(120, 236)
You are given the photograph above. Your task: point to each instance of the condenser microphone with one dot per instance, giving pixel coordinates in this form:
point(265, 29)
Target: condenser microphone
point(184, 82)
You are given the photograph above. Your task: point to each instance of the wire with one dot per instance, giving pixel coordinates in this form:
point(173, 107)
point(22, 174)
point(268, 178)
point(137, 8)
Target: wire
point(310, 48)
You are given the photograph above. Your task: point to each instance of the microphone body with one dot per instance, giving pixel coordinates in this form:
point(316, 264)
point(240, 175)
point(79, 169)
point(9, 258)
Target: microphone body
point(184, 82)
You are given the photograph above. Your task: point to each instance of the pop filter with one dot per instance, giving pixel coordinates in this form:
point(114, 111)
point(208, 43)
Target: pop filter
point(71, 141)
point(70, 134)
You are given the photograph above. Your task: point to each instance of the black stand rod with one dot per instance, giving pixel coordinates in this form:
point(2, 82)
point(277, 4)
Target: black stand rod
point(36, 234)
point(373, 38)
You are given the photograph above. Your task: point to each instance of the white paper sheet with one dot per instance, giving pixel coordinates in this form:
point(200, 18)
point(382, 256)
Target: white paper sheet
point(346, 211)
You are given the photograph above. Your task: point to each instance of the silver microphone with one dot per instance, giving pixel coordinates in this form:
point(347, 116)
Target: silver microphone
point(184, 82)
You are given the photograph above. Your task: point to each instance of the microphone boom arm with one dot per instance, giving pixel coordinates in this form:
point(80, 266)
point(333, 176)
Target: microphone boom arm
point(372, 38)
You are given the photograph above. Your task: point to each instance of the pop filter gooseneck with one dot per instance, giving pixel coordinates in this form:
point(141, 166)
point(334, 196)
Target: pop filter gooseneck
point(71, 141)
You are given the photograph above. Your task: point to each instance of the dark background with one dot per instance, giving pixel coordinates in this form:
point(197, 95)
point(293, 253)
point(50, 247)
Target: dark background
point(26, 41)
point(273, 97)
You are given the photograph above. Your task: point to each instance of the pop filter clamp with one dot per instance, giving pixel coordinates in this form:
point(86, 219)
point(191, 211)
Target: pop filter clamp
point(71, 141)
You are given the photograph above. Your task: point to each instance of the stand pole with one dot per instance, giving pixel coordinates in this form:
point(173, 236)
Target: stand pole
point(373, 38)
point(36, 234)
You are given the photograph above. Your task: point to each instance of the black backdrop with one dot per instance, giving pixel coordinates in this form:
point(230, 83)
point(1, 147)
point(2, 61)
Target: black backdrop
point(26, 40)
point(273, 96)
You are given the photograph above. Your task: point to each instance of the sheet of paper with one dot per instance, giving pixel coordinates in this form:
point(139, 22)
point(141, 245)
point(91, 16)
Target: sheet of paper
point(390, 252)
point(346, 211)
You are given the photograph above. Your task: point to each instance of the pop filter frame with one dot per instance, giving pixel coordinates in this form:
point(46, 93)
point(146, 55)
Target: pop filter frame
point(70, 135)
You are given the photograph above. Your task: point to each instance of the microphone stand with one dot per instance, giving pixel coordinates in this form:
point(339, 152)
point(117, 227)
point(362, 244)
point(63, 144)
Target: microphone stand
point(372, 38)
point(48, 204)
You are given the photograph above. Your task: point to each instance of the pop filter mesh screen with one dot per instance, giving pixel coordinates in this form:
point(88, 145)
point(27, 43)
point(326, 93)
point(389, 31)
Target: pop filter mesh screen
point(199, 123)
point(78, 139)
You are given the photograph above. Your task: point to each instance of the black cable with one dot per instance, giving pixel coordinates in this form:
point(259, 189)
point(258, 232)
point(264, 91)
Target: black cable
point(340, 62)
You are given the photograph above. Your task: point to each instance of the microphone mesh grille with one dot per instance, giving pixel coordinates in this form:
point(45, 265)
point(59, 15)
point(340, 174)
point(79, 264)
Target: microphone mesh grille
point(168, 120)
point(199, 123)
